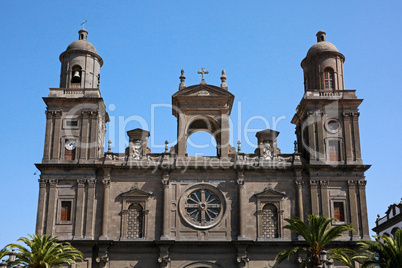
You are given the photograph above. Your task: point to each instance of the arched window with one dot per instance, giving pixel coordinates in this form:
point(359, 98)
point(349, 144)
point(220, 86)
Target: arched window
point(135, 219)
point(328, 78)
point(269, 221)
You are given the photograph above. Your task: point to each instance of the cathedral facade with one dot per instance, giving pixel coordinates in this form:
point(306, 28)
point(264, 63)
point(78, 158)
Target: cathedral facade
point(142, 209)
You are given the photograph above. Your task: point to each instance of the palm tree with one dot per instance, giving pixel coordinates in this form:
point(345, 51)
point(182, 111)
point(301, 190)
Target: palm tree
point(316, 234)
point(45, 252)
point(346, 256)
point(384, 252)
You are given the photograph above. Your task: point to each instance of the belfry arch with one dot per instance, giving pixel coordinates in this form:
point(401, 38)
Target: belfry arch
point(206, 124)
point(206, 108)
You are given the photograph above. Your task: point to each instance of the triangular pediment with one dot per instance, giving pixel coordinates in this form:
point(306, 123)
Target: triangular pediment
point(203, 91)
point(271, 193)
point(135, 192)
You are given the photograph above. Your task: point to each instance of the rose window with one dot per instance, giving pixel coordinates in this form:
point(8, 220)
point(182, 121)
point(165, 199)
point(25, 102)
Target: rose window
point(202, 207)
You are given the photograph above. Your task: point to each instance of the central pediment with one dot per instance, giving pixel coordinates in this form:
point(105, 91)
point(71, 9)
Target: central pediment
point(203, 96)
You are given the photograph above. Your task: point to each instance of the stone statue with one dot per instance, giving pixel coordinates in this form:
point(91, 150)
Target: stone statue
point(137, 150)
point(267, 151)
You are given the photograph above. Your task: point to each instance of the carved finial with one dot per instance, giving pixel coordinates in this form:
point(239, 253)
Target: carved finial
point(166, 146)
point(109, 147)
point(378, 215)
point(203, 73)
point(223, 79)
point(295, 143)
point(182, 79)
point(239, 146)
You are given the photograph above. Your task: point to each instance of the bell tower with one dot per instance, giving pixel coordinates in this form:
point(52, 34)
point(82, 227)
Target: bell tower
point(327, 118)
point(75, 112)
point(203, 107)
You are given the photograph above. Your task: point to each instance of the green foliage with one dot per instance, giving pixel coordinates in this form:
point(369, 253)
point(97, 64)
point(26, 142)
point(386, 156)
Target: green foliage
point(346, 256)
point(317, 234)
point(384, 251)
point(45, 252)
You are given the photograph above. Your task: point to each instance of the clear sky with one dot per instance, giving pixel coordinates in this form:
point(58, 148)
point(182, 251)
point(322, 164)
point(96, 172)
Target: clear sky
point(145, 44)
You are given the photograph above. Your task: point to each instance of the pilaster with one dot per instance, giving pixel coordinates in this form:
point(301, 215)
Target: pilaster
point(299, 190)
point(48, 135)
point(89, 226)
point(241, 215)
point(353, 209)
point(93, 137)
point(314, 197)
point(363, 209)
point(51, 214)
point(356, 137)
point(40, 220)
point(79, 211)
point(56, 134)
point(166, 206)
point(347, 123)
point(84, 135)
point(106, 196)
point(324, 198)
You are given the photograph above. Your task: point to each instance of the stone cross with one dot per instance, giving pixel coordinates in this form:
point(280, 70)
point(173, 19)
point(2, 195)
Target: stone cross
point(83, 22)
point(203, 72)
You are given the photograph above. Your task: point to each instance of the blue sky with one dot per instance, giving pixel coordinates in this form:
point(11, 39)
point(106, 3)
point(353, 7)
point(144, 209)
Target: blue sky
point(145, 44)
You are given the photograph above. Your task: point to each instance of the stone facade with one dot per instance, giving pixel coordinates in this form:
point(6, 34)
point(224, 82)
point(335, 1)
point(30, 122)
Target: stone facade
point(142, 209)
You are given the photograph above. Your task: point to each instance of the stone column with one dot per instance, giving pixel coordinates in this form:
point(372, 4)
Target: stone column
point(89, 226)
point(166, 206)
point(84, 134)
point(56, 135)
point(79, 210)
point(93, 148)
point(48, 135)
point(314, 197)
point(324, 198)
point(353, 208)
point(51, 213)
point(105, 216)
point(40, 221)
point(299, 189)
point(242, 200)
point(363, 209)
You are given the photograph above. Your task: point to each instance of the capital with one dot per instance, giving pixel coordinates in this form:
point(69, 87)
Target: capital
point(106, 183)
point(53, 183)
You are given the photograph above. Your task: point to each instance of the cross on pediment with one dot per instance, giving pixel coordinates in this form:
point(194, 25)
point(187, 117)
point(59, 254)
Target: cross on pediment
point(203, 73)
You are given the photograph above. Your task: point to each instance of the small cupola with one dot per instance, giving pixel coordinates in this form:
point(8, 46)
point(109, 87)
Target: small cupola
point(80, 64)
point(323, 66)
point(82, 34)
point(321, 36)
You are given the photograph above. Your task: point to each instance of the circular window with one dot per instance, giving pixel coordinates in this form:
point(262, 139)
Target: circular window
point(332, 126)
point(202, 206)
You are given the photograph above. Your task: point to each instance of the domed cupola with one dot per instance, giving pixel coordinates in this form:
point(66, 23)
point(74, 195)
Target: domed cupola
point(323, 66)
point(80, 64)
